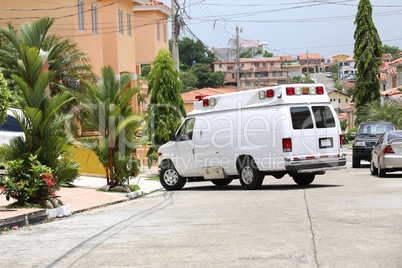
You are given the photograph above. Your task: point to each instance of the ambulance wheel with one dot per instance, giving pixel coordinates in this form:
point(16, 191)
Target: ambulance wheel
point(250, 177)
point(170, 178)
point(303, 179)
point(221, 182)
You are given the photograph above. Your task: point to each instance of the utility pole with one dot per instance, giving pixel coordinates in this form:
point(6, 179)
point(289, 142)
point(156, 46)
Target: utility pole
point(175, 35)
point(307, 67)
point(238, 58)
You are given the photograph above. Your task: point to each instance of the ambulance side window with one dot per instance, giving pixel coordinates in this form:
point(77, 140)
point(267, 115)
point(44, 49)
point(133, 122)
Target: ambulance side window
point(301, 117)
point(323, 117)
point(185, 132)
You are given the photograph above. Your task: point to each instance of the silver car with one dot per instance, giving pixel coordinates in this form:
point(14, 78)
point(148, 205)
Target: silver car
point(387, 154)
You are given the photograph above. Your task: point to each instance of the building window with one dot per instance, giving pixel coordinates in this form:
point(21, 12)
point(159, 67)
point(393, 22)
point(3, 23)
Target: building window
point(120, 21)
point(346, 99)
point(157, 31)
point(242, 65)
point(272, 64)
point(128, 24)
point(248, 84)
point(164, 33)
point(81, 15)
point(94, 20)
point(220, 65)
point(256, 64)
point(263, 64)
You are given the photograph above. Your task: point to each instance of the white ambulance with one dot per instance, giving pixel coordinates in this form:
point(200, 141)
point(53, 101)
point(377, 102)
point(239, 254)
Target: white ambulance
point(286, 129)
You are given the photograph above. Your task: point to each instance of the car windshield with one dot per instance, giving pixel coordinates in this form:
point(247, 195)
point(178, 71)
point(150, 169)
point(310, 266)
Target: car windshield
point(395, 135)
point(374, 129)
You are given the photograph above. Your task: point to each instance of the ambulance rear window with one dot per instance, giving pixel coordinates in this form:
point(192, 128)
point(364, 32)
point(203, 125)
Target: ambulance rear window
point(323, 117)
point(301, 117)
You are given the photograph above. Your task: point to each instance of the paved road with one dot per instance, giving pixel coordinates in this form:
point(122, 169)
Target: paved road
point(321, 78)
point(344, 219)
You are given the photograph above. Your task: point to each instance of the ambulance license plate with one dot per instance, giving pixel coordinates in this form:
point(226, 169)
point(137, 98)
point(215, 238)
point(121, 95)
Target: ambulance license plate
point(326, 143)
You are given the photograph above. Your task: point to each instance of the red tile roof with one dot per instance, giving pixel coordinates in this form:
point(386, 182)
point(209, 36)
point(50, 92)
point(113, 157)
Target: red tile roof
point(387, 56)
point(342, 116)
point(288, 58)
point(311, 56)
point(394, 92)
point(248, 60)
point(154, 3)
point(190, 96)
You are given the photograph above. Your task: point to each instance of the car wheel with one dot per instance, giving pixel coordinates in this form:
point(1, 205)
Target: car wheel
point(303, 179)
point(250, 177)
point(381, 171)
point(355, 162)
point(221, 182)
point(170, 178)
point(373, 169)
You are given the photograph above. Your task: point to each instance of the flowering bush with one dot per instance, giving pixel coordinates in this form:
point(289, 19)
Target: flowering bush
point(28, 181)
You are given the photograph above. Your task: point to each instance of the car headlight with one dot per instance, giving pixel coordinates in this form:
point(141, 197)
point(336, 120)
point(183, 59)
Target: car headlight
point(360, 143)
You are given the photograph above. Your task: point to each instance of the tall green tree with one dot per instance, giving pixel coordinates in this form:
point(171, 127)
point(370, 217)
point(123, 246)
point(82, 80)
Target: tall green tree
point(107, 109)
point(207, 78)
point(393, 50)
point(368, 56)
point(193, 51)
point(42, 124)
point(166, 105)
point(189, 81)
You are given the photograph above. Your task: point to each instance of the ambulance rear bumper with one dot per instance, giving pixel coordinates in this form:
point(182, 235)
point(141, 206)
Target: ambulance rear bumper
point(315, 165)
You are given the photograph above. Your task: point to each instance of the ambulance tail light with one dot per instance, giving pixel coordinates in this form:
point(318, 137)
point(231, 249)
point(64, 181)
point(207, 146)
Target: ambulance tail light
point(266, 94)
point(290, 91)
point(287, 144)
point(270, 93)
point(341, 139)
point(320, 90)
point(209, 102)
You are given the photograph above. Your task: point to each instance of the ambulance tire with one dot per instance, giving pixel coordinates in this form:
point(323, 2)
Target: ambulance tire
point(221, 182)
point(249, 175)
point(303, 179)
point(170, 178)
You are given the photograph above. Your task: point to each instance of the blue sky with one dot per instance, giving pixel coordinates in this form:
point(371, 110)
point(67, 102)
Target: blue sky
point(290, 27)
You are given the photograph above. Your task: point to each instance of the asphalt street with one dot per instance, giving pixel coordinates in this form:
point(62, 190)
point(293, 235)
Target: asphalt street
point(346, 218)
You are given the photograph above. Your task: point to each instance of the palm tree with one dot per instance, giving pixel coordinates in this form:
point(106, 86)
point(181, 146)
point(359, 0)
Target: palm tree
point(44, 134)
point(381, 111)
point(106, 108)
point(70, 65)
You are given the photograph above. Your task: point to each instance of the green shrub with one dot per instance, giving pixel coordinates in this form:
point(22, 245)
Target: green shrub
point(348, 134)
point(28, 181)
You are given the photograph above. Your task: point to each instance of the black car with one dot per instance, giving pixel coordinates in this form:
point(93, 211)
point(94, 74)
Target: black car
point(366, 137)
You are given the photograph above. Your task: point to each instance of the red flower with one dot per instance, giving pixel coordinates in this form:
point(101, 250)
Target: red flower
point(54, 195)
point(49, 182)
point(18, 183)
point(30, 166)
point(3, 188)
point(43, 176)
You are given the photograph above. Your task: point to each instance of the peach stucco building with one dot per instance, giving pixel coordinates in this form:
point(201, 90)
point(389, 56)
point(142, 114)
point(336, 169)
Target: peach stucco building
point(123, 34)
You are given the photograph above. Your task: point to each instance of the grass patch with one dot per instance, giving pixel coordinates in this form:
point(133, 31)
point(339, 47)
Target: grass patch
point(156, 178)
point(134, 188)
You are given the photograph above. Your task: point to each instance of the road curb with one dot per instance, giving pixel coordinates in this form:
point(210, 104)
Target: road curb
point(41, 216)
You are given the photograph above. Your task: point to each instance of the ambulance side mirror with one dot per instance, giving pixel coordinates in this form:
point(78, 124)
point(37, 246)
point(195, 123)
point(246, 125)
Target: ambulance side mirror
point(353, 134)
point(172, 136)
